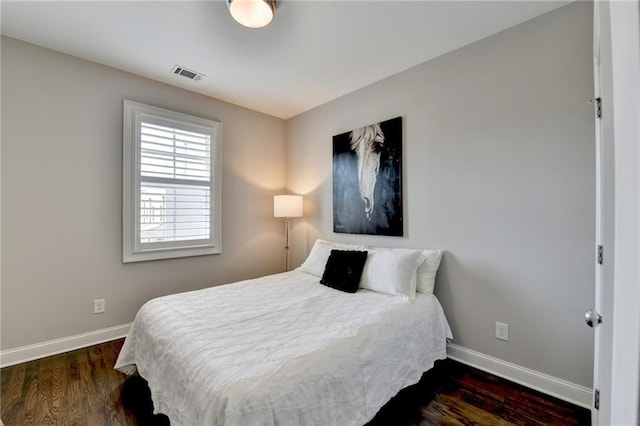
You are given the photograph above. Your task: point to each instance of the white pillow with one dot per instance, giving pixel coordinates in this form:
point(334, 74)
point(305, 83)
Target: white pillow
point(392, 271)
point(427, 271)
point(317, 259)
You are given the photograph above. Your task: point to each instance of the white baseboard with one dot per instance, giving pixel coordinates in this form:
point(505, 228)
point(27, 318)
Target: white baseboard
point(58, 346)
point(562, 389)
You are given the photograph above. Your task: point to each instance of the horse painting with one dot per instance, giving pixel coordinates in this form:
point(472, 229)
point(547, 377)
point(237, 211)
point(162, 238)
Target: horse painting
point(367, 142)
point(367, 185)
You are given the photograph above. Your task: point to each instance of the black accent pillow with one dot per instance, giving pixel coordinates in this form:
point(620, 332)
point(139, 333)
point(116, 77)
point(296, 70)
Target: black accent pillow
point(344, 269)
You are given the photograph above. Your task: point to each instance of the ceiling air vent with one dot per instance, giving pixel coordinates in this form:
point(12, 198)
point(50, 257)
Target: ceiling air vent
point(190, 74)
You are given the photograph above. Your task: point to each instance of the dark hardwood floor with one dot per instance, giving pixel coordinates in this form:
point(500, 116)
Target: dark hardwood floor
point(74, 388)
point(81, 388)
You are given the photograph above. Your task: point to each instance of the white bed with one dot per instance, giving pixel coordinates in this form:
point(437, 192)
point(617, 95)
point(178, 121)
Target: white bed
point(281, 349)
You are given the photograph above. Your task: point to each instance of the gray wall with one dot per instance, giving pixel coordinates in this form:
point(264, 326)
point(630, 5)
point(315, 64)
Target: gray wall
point(62, 197)
point(499, 171)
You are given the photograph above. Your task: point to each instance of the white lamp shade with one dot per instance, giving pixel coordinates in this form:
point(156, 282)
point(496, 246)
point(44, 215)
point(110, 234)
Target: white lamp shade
point(287, 206)
point(252, 13)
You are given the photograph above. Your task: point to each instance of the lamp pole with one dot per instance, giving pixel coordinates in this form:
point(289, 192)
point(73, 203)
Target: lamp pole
point(286, 244)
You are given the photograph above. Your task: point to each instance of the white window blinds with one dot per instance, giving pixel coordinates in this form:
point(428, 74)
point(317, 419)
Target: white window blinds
point(175, 177)
point(172, 188)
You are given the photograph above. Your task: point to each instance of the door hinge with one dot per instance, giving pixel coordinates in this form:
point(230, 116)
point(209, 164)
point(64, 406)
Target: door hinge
point(596, 400)
point(598, 103)
point(600, 254)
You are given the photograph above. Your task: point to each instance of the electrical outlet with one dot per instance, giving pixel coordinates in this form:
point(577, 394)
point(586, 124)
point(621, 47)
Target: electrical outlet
point(502, 331)
point(98, 306)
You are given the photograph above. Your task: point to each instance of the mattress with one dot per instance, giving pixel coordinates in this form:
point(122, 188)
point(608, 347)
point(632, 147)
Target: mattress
point(281, 349)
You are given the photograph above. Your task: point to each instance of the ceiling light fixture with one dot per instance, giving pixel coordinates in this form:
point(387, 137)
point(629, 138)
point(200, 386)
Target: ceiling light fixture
point(252, 13)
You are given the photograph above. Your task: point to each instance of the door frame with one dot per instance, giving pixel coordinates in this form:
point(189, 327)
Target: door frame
point(603, 216)
point(617, 370)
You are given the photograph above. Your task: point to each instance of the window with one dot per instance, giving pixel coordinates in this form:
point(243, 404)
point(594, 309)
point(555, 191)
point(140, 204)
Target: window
point(171, 184)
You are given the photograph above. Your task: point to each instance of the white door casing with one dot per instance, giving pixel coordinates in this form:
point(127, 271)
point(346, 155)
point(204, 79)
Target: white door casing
point(617, 82)
point(602, 332)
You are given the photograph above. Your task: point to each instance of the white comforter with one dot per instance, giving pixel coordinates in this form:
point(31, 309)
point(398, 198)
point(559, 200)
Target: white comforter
point(282, 350)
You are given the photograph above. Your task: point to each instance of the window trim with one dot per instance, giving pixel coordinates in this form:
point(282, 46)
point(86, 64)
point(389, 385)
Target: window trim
point(132, 249)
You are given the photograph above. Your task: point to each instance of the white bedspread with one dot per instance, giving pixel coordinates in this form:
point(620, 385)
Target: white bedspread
point(282, 350)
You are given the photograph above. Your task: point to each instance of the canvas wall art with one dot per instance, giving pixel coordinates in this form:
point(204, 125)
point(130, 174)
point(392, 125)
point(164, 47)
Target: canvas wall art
point(367, 180)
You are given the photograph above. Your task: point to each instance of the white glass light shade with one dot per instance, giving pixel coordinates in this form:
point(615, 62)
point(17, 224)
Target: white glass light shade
point(287, 206)
point(252, 13)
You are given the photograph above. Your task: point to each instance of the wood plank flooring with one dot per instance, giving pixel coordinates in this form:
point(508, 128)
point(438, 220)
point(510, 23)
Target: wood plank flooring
point(455, 394)
point(74, 388)
point(81, 388)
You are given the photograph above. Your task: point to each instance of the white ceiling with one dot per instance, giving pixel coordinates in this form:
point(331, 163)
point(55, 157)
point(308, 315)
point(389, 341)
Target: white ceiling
point(313, 51)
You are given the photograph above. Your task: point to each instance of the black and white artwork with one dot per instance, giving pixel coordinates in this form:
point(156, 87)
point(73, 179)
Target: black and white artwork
point(367, 180)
